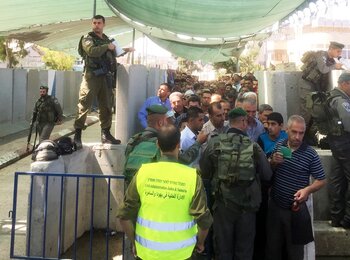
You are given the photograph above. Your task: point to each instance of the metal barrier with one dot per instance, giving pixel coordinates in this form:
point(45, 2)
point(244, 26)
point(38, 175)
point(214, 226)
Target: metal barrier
point(62, 177)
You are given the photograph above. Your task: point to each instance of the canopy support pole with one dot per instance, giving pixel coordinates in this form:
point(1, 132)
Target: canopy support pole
point(133, 46)
point(94, 10)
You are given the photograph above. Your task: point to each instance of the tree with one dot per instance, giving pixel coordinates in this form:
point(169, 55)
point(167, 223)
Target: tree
point(12, 51)
point(230, 66)
point(247, 62)
point(187, 66)
point(57, 60)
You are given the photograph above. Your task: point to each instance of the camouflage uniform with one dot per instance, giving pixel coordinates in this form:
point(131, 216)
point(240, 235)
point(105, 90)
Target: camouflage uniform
point(98, 80)
point(47, 111)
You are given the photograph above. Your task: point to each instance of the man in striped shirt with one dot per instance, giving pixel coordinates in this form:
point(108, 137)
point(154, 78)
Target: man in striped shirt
point(293, 163)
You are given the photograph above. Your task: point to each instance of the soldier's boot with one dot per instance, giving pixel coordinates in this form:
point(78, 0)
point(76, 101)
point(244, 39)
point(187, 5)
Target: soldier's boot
point(77, 139)
point(107, 138)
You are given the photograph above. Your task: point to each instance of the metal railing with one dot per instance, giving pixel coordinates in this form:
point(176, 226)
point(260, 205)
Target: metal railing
point(46, 191)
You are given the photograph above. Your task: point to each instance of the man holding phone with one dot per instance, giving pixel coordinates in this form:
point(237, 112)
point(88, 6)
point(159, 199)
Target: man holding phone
point(293, 162)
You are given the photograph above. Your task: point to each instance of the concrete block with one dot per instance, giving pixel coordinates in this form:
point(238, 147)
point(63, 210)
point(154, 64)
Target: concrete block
point(6, 95)
point(110, 162)
point(95, 159)
point(60, 87)
point(130, 95)
point(331, 241)
point(19, 95)
point(321, 200)
point(71, 92)
point(32, 91)
point(38, 205)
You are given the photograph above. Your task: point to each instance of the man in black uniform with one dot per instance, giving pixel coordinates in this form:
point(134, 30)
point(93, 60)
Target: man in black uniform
point(47, 112)
point(99, 54)
point(339, 141)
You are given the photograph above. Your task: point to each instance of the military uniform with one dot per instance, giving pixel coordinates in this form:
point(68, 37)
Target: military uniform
point(339, 177)
point(234, 215)
point(315, 77)
point(98, 80)
point(47, 111)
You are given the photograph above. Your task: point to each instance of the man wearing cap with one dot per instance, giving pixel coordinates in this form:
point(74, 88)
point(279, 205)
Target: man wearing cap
point(236, 189)
point(157, 116)
point(162, 98)
point(47, 112)
point(316, 77)
point(339, 141)
point(167, 202)
point(274, 134)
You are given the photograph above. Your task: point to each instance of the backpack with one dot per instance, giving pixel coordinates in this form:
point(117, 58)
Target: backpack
point(236, 179)
point(309, 69)
point(47, 150)
point(80, 47)
point(325, 119)
point(140, 149)
point(66, 145)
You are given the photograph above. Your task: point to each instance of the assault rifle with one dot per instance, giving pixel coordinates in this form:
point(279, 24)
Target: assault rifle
point(32, 125)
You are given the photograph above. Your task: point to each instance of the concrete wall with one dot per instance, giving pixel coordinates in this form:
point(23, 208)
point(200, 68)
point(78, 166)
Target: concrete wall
point(134, 84)
point(19, 91)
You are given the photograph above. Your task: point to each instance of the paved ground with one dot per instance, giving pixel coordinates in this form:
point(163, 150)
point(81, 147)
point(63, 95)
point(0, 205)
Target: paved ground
point(12, 149)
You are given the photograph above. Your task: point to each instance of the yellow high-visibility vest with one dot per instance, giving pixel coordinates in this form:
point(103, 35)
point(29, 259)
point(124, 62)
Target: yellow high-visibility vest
point(164, 228)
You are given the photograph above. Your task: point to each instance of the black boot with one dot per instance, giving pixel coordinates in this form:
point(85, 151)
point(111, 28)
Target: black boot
point(107, 138)
point(77, 139)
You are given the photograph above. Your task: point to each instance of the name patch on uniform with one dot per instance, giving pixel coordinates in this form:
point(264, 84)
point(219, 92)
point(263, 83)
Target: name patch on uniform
point(346, 105)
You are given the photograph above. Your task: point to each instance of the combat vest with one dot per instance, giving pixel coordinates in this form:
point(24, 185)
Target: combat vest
point(325, 119)
point(164, 227)
point(235, 180)
point(103, 64)
point(141, 148)
point(310, 71)
point(45, 110)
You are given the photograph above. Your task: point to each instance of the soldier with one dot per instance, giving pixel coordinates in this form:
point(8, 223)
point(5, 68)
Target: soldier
point(234, 165)
point(99, 54)
point(47, 112)
point(315, 77)
point(339, 141)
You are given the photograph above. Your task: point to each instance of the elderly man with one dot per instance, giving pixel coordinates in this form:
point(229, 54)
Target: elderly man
point(168, 203)
point(176, 101)
point(162, 98)
point(255, 127)
point(293, 162)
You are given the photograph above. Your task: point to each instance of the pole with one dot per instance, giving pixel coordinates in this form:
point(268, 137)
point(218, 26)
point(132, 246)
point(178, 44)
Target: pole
point(133, 45)
point(94, 12)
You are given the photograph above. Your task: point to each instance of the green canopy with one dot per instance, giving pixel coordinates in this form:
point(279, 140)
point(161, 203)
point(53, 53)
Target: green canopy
point(211, 30)
point(208, 30)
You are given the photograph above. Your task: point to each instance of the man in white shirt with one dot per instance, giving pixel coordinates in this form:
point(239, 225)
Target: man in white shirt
point(195, 121)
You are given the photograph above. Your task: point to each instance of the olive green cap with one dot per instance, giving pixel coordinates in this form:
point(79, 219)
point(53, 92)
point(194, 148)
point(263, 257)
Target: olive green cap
point(156, 109)
point(336, 45)
point(43, 87)
point(236, 112)
point(344, 77)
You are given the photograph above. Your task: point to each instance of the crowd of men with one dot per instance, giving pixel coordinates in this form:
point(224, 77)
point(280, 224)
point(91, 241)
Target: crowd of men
point(214, 174)
point(255, 171)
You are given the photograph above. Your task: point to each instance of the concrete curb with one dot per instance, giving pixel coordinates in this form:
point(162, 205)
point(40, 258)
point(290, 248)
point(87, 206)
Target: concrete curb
point(13, 156)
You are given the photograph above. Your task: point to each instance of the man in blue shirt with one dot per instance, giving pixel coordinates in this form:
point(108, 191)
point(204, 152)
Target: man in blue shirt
point(291, 187)
point(268, 140)
point(255, 127)
point(162, 98)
